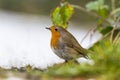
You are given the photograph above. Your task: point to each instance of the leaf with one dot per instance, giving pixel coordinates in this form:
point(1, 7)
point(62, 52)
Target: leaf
point(61, 15)
point(92, 6)
point(56, 17)
point(106, 30)
point(96, 5)
point(103, 12)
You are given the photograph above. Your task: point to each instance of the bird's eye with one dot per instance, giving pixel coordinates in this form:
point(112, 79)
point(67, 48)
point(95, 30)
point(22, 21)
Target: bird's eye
point(56, 29)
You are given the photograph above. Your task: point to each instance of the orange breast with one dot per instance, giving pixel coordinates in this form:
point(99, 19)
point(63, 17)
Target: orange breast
point(55, 40)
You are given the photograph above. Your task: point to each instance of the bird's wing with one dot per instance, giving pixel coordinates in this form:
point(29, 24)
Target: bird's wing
point(70, 41)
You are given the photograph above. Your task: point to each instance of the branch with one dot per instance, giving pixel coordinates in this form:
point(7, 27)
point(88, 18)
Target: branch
point(92, 29)
point(84, 10)
point(89, 13)
point(115, 27)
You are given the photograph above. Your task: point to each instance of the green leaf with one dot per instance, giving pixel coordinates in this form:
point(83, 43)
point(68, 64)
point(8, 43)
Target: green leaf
point(92, 6)
point(62, 14)
point(96, 5)
point(56, 17)
point(103, 12)
point(106, 30)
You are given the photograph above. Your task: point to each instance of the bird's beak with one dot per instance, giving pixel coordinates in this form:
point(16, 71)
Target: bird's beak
point(47, 28)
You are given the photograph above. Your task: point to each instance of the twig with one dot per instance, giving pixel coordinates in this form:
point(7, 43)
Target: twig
point(113, 6)
point(89, 12)
point(114, 12)
point(92, 29)
point(116, 38)
point(92, 33)
point(114, 28)
point(84, 10)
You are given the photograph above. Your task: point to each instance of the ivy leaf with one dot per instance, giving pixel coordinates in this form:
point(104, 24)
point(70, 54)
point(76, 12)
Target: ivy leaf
point(61, 15)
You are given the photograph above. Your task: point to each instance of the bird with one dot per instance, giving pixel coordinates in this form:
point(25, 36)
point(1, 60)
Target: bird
point(65, 45)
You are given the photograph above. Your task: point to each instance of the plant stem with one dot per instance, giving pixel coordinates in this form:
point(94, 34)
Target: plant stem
point(116, 38)
point(84, 10)
point(89, 12)
point(115, 11)
point(89, 32)
point(113, 6)
point(114, 28)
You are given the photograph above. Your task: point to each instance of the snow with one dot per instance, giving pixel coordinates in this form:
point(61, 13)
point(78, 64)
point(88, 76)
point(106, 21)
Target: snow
point(24, 40)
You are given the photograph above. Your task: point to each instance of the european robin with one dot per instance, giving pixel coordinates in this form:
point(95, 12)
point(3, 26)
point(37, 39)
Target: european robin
point(64, 44)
